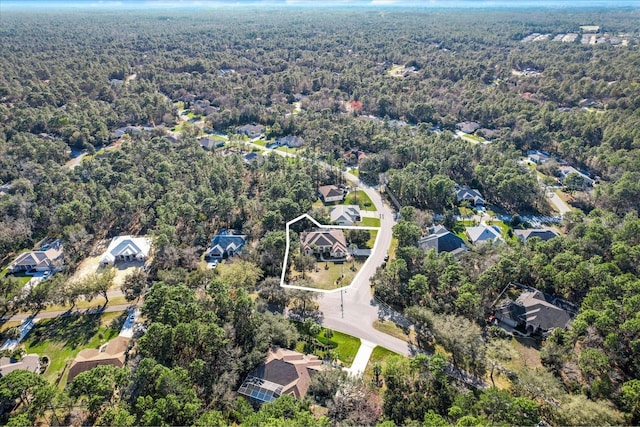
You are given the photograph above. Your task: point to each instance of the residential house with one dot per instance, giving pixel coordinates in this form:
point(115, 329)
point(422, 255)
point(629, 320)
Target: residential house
point(566, 170)
point(468, 127)
point(284, 372)
point(111, 353)
point(353, 156)
point(538, 157)
point(5, 188)
point(442, 240)
point(252, 131)
point(483, 233)
point(50, 258)
point(126, 249)
point(488, 134)
point(533, 312)
point(207, 143)
point(589, 102)
point(28, 362)
point(470, 195)
point(130, 130)
point(325, 244)
point(225, 245)
point(172, 138)
point(253, 157)
point(346, 215)
point(290, 141)
point(331, 193)
point(541, 233)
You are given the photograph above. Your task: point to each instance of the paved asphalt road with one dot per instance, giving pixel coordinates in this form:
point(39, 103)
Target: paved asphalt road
point(359, 310)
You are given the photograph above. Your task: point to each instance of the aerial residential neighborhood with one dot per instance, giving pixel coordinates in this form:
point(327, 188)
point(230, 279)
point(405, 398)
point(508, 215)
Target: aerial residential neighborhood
point(376, 213)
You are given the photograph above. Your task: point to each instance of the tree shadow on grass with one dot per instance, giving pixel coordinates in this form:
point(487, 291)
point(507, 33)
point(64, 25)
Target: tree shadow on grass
point(72, 331)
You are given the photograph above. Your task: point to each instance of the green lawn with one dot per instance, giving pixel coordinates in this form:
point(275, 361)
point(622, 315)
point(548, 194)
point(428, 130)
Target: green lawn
point(347, 347)
point(344, 346)
point(62, 338)
point(178, 127)
point(261, 142)
point(84, 304)
point(362, 200)
point(354, 172)
point(504, 228)
point(372, 238)
point(379, 355)
point(325, 278)
point(22, 279)
point(475, 137)
point(393, 248)
point(370, 222)
point(391, 328)
point(288, 150)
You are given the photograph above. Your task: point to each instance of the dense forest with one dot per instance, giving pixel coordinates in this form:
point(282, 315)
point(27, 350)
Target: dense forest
point(69, 80)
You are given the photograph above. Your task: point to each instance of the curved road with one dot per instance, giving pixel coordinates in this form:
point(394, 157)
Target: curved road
point(359, 311)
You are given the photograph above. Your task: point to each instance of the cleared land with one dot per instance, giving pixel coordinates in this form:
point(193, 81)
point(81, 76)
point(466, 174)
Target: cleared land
point(92, 265)
point(361, 199)
point(329, 275)
point(390, 328)
point(62, 338)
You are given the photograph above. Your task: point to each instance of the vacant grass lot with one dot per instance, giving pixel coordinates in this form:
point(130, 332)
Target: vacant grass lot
point(372, 238)
point(83, 304)
point(62, 338)
point(379, 355)
point(361, 199)
point(288, 150)
point(390, 328)
point(328, 273)
point(370, 222)
point(475, 137)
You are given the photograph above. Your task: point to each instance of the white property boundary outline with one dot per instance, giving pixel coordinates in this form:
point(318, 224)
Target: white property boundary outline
point(341, 227)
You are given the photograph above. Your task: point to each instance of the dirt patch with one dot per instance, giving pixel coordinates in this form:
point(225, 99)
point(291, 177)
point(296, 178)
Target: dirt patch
point(92, 265)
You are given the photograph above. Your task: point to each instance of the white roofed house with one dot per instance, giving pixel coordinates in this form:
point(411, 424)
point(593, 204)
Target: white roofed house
point(127, 249)
point(470, 195)
point(483, 233)
point(565, 171)
point(290, 141)
point(346, 215)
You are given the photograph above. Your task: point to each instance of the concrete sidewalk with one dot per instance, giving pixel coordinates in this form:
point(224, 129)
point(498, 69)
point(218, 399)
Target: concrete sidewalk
point(362, 358)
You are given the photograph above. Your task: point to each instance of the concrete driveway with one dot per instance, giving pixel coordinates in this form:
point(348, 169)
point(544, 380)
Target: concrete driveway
point(559, 204)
